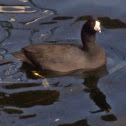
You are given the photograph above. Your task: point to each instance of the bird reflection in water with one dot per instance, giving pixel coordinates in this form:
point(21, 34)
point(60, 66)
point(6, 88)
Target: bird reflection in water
point(91, 81)
point(82, 122)
point(95, 93)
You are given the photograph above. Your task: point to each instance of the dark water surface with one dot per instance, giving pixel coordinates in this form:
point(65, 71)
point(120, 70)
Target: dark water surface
point(28, 100)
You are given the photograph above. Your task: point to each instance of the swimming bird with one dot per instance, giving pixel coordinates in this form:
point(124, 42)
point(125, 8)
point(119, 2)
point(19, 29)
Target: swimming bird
point(67, 57)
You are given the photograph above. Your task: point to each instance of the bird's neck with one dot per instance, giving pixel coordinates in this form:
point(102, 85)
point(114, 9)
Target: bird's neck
point(88, 40)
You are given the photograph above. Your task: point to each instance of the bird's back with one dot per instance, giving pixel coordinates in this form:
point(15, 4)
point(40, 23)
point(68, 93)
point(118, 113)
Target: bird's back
point(62, 58)
point(55, 57)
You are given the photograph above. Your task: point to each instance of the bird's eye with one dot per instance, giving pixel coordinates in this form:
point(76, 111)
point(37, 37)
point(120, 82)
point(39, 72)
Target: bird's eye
point(92, 22)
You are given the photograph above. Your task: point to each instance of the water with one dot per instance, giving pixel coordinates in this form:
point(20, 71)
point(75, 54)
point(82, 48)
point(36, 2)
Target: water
point(26, 99)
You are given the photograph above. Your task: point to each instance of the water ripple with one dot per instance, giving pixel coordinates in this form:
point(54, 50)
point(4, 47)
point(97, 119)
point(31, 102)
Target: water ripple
point(31, 1)
point(16, 9)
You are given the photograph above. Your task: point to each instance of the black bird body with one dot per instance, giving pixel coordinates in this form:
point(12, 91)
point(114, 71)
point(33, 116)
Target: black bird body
point(65, 58)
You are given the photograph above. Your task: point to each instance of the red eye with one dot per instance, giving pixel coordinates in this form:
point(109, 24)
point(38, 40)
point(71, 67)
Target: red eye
point(92, 22)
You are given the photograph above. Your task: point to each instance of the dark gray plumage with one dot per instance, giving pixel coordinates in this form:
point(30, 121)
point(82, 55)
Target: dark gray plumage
point(67, 58)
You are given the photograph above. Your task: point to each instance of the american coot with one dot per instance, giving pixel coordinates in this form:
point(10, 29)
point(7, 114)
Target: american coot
point(67, 58)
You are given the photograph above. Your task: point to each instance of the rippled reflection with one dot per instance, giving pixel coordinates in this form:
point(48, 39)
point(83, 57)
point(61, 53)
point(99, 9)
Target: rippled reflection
point(16, 9)
point(12, 111)
point(78, 123)
point(107, 22)
point(5, 28)
point(95, 93)
point(91, 81)
point(109, 117)
point(29, 98)
point(46, 14)
point(24, 85)
point(34, 4)
point(63, 18)
point(35, 21)
point(27, 116)
point(23, 1)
